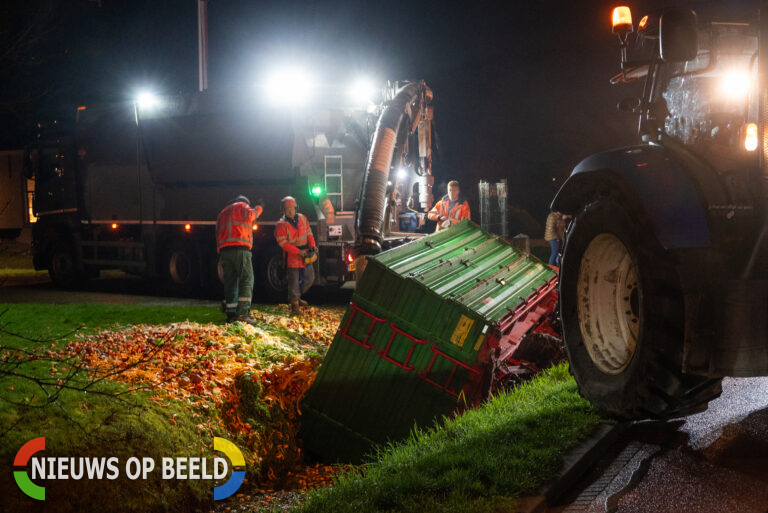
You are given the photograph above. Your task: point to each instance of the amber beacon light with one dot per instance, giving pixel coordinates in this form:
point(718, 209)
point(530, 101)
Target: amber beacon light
point(750, 139)
point(622, 20)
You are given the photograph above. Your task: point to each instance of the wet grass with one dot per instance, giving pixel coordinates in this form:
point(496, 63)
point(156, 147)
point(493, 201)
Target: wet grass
point(482, 461)
point(39, 320)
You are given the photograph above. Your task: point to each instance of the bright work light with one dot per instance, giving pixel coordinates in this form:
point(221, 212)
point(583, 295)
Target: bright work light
point(289, 87)
point(362, 91)
point(316, 190)
point(402, 173)
point(147, 100)
point(736, 84)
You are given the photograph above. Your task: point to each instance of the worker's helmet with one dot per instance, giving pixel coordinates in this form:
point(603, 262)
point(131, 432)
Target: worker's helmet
point(289, 201)
point(240, 199)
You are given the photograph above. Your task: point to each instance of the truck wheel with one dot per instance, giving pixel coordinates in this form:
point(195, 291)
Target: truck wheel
point(62, 267)
point(182, 268)
point(271, 280)
point(623, 318)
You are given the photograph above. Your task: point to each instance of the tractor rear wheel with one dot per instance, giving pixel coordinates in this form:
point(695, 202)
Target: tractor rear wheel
point(623, 318)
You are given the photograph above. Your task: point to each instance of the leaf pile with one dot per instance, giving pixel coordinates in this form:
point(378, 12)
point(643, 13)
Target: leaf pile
point(238, 381)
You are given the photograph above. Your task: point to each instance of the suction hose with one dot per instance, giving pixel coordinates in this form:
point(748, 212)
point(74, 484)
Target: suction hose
point(373, 200)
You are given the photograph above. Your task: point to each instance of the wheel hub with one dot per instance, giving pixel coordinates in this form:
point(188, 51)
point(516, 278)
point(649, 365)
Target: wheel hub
point(609, 306)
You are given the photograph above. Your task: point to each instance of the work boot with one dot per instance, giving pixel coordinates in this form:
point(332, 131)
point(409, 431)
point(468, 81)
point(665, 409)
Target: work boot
point(295, 310)
point(231, 317)
point(247, 319)
point(303, 303)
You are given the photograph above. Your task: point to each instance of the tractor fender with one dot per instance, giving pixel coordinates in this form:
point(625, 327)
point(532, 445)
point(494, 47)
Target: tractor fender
point(649, 177)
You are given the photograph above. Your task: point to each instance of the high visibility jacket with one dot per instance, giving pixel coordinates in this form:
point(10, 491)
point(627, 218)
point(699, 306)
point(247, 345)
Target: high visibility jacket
point(234, 226)
point(459, 211)
point(292, 240)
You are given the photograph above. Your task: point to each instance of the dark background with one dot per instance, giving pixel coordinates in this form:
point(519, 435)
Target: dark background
point(521, 88)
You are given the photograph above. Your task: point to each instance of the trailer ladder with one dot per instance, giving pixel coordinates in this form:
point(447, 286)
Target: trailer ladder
point(334, 173)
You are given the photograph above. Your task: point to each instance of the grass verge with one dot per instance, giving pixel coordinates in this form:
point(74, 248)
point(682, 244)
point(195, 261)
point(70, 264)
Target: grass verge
point(481, 461)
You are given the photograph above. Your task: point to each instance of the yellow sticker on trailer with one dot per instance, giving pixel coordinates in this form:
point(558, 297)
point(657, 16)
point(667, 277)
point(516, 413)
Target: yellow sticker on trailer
point(462, 330)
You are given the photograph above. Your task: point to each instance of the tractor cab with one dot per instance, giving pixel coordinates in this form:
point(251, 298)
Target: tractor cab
point(664, 275)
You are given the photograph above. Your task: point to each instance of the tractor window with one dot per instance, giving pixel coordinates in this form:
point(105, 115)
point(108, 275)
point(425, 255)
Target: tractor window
point(709, 99)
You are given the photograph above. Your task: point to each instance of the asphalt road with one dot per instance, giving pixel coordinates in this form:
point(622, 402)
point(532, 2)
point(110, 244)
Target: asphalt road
point(713, 461)
point(721, 466)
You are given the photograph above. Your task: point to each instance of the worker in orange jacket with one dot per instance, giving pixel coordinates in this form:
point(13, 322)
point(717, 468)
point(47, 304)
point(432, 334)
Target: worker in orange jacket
point(451, 209)
point(234, 240)
point(294, 236)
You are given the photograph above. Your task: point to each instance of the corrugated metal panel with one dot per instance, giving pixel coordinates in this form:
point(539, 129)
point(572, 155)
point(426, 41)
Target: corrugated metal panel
point(406, 352)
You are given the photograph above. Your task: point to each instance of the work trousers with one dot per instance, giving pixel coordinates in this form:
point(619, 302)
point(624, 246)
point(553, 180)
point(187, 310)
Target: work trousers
point(299, 281)
point(554, 256)
point(238, 279)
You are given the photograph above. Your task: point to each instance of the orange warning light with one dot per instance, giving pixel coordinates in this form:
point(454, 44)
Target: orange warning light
point(622, 19)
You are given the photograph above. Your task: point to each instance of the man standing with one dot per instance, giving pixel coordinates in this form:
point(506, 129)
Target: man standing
point(451, 209)
point(294, 236)
point(234, 240)
point(554, 233)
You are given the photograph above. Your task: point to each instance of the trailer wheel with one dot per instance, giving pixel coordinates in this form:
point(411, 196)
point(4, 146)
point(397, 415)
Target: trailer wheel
point(182, 268)
point(271, 279)
point(623, 318)
point(62, 266)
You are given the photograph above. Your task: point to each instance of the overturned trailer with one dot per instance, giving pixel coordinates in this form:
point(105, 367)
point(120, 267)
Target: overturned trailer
point(433, 327)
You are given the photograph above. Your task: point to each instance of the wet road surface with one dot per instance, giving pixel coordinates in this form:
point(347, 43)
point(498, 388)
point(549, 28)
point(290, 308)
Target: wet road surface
point(722, 466)
point(713, 461)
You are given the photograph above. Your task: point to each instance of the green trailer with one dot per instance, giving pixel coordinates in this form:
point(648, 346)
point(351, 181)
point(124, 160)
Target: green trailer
point(432, 325)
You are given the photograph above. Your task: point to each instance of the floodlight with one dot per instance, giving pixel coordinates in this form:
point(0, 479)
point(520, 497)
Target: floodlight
point(362, 91)
point(147, 100)
point(736, 84)
point(289, 87)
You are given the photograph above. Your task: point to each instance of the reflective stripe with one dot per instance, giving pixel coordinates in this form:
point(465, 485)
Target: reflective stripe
point(236, 239)
point(231, 305)
point(244, 299)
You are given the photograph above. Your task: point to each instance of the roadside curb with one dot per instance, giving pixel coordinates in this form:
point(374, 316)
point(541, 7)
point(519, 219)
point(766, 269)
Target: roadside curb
point(580, 460)
point(576, 463)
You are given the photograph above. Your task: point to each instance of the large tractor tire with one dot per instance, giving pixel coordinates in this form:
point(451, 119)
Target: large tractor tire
point(623, 318)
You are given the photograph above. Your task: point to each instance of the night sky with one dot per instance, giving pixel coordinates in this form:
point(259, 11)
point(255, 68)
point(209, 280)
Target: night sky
point(521, 88)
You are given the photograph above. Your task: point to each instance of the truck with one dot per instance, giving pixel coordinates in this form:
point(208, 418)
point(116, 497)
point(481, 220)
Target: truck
point(664, 278)
point(15, 195)
point(137, 185)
